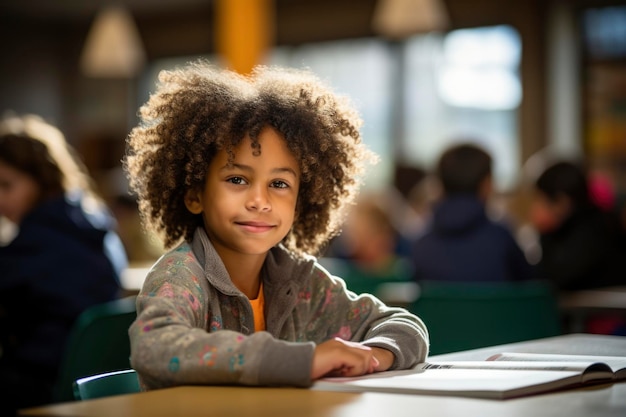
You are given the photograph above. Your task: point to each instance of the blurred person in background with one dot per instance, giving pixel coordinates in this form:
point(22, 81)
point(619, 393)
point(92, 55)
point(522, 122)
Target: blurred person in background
point(142, 247)
point(462, 244)
point(62, 256)
point(581, 240)
point(368, 252)
point(410, 202)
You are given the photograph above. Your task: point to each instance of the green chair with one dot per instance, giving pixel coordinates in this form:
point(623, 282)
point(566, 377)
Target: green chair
point(383, 284)
point(107, 384)
point(462, 316)
point(98, 343)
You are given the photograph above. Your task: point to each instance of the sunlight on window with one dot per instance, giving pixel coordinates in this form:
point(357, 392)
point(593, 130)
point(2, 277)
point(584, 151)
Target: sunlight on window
point(362, 70)
point(480, 69)
point(464, 86)
point(489, 89)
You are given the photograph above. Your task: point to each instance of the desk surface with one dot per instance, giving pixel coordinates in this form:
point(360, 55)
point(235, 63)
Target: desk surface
point(599, 401)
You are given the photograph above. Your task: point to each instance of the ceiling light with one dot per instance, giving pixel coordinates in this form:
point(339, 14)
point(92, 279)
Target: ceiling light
point(113, 48)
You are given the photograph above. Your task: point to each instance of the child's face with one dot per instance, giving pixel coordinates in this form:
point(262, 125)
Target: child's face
point(248, 207)
point(19, 193)
point(547, 215)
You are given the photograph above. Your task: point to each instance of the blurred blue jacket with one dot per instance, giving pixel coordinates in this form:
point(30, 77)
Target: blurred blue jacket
point(63, 260)
point(463, 244)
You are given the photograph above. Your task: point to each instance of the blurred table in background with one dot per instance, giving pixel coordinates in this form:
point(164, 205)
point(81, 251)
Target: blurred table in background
point(132, 279)
point(578, 307)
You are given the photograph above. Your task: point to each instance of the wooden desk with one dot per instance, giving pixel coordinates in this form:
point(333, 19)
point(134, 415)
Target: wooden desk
point(599, 401)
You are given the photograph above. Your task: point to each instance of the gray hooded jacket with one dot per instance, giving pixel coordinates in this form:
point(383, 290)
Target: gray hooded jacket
point(195, 327)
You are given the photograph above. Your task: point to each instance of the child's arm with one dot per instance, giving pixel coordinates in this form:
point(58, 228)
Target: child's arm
point(398, 338)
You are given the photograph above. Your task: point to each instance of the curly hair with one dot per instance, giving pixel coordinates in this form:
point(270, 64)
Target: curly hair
point(199, 110)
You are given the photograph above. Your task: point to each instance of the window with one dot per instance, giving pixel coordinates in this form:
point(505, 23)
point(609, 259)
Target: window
point(418, 95)
point(464, 85)
point(361, 70)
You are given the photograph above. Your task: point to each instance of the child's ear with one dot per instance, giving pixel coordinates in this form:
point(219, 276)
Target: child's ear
point(193, 201)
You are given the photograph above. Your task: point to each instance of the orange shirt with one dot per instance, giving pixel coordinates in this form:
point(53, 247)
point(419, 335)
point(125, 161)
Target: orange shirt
point(258, 308)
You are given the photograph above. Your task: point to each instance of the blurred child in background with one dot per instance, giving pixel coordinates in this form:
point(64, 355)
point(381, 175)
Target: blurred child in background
point(462, 244)
point(62, 257)
point(582, 243)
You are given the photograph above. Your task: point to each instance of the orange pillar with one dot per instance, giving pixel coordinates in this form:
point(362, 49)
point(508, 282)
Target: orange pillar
point(244, 32)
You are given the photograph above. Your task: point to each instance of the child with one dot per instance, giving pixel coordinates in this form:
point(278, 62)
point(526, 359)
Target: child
point(582, 245)
point(252, 173)
point(64, 257)
point(463, 243)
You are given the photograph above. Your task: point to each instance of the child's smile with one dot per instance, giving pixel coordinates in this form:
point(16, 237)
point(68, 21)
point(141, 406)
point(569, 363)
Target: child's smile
point(249, 206)
point(254, 227)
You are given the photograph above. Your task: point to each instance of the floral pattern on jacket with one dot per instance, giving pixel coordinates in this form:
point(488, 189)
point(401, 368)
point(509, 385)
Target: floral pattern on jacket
point(194, 326)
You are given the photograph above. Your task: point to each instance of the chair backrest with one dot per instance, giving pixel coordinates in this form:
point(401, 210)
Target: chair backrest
point(378, 283)
point(98, 343)
point(461, 316)
point(107, 384)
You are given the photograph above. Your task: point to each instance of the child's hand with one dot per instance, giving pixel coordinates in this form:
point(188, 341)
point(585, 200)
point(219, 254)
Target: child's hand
point(339, 357)
point(385, 359)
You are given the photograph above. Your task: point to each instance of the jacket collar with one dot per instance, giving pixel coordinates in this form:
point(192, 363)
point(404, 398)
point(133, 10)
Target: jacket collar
point(280, 268)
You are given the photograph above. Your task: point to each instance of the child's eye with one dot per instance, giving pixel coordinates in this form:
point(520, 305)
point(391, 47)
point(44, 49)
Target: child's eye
point(279, 184)
point(236, 180)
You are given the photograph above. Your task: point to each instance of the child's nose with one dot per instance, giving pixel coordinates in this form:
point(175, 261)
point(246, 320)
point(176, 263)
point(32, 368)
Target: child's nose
point(258, 199)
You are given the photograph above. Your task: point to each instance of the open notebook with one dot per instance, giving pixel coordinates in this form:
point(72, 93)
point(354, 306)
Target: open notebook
point(506, 375)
